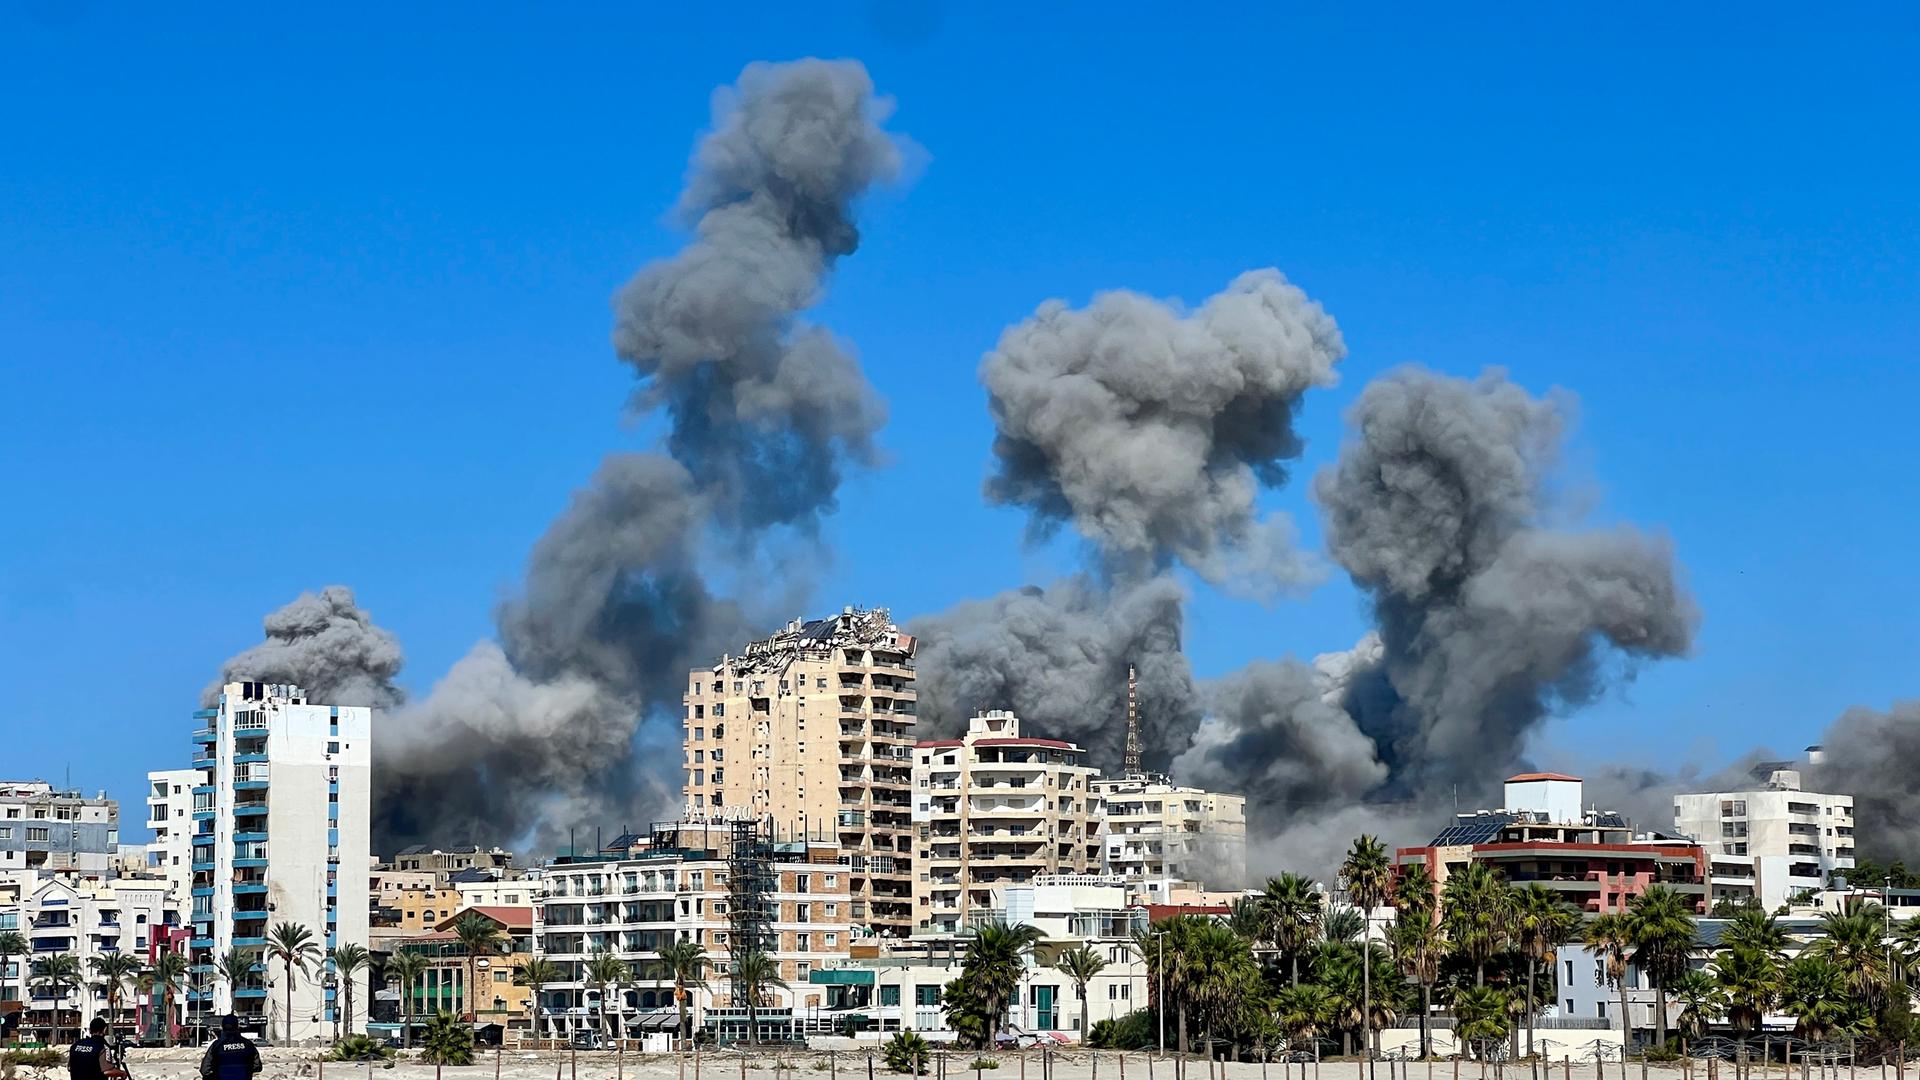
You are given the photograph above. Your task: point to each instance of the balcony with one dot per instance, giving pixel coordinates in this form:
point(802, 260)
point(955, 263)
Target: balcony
point(250, 809)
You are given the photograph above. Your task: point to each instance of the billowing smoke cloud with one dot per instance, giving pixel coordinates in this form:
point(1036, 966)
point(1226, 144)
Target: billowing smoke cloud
point(1152, 431)
point(764, 410)
point(326, 644)
point(1489, 618)
point(538, 731)
point(1058, 658)
point(1871, 754)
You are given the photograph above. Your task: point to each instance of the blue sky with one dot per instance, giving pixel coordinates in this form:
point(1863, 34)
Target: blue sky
point(290, 298)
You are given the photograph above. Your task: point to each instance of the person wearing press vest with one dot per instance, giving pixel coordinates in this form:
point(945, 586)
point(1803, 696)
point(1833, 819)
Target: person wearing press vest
point(232, 1056)
point(87, 1060)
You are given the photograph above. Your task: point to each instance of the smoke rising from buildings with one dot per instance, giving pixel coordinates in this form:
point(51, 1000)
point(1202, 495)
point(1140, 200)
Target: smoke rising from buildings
point(538, 730)
point(1058, 658)
point(764, 411)
point(1871, 754)
point(327, 644)
point(1152, 431)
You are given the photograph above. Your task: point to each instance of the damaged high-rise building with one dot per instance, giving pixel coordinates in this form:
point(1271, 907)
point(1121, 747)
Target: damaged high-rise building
point(812, 729)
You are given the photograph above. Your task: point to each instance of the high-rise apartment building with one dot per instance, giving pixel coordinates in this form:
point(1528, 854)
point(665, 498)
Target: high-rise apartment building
point(995, 808)
point(44, 828)
point(1159, 836)
point(1773, 840)
point(281, 820)
point(811, 729)
point(170, 817)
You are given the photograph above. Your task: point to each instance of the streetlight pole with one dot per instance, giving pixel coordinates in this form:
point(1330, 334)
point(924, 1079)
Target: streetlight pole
point(1161, 1000)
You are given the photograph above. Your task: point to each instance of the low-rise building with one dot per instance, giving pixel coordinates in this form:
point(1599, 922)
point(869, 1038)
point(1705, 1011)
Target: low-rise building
point(444, 864)
point(448, 983)
point(85, 919)
point(502, 892)
point(1594, 858)
point(1772, 841)
point(730, 886)
point(45, 829)
point(1156, 832)
point(997, 808)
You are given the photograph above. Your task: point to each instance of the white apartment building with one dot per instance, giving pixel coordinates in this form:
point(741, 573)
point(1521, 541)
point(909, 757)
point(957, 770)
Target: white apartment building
point(44, 829)
point(281, 820)
point(1159, 836)
point(995, 808)
point(84, 919)
point(507, 892)
point(170, 817)
point(681, 886)
point(1772, 841)
point(900, 988)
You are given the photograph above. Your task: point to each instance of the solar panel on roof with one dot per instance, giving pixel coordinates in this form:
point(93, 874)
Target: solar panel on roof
point(1477, 829)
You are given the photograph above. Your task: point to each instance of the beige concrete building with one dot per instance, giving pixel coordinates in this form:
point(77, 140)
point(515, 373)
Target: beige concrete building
point(1772, 840)
point(812, 730)
point(1160, 837)
point(996, 808)
point(680, 884)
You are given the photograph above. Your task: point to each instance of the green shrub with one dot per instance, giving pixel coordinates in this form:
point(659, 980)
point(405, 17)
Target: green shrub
point(907, 1052)
point(46, 1057)
point(448, 1041)
point(1134, 1031)
point(984, 1063)
point(360, 1048)
point(1669, 1052)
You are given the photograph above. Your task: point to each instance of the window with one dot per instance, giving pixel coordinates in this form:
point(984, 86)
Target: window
point(1601, 1009)
point(890, 995)
point(36, 834)
point(926, 995)
point(333, 748)
point(1569, 975)
point(833, 940)
point(803, 942)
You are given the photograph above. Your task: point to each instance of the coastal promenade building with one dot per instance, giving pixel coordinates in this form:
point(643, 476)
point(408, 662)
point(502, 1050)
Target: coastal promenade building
point(812, 729)
point(1773, 841)
point(281, 822)
point(1160, 837)
point(1594, 858)
point(997, 808)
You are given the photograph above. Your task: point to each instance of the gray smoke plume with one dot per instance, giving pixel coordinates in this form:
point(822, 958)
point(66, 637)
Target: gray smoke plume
point(1152, 430)
point(326, 644)
point(764, 410)
point(1058, 658)
point(1490, 620)
point(545, 729)
point(1871, 754)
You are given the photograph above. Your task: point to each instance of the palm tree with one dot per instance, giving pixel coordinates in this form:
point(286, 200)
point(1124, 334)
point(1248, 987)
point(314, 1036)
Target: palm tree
point(1080, 965)
point(536, 974)
point(1751, 979)
point(348, 961)
point(1248, 917)
point(12, 944)
point(1701, 1002)
point(1753, 928)
point(685, 961)
point(1853, 942)
point(1294, 908)
point(1542, 923)
point(1221, 971)
point(1476, 908)
point(293, 945)
point(1814, 992)
point(1418, 947)
point(236, 967)
point(56, 974)
point(114, 969)
point(1369, 878)
point(1343, 927)
point(756, 972)
point(605, 970)
point(1660, 922)
point(169, 972)
point(1611, 939)
point(406, 968)
point(479, 936)
point(1303, 1011)
point(1480, 1016)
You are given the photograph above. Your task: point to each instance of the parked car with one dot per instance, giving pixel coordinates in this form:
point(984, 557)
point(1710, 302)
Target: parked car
point(589, 1040)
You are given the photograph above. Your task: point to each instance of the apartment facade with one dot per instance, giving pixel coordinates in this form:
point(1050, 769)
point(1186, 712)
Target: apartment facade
point(1593, 858)
point(1158, 836)
point(812, 729)
point(996, 808)
point(680, 887)
point(281, 824)
point(170, 818)
point(481, 987)
point(445, 864)
point(1772, 841)
point(45, 829)
point(85, 918)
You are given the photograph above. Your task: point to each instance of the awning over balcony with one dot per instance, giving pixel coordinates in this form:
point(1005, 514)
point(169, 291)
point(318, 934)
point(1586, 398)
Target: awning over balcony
point(841, 977)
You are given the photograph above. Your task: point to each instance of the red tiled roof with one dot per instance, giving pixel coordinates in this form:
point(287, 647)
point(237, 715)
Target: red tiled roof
point(1526, 776)
point(513, 918)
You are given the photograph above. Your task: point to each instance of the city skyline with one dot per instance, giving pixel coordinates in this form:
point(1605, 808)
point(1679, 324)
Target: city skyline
point(1516, 252)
